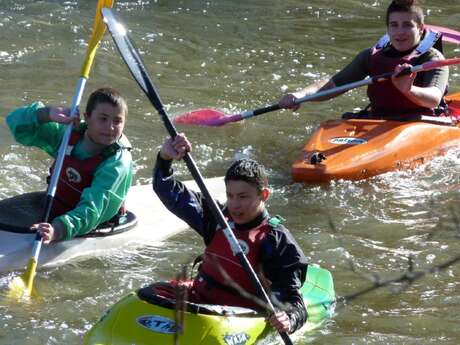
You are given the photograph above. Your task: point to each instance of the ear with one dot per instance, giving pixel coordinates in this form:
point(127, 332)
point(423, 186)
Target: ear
point(421, 28)
point(265, 194)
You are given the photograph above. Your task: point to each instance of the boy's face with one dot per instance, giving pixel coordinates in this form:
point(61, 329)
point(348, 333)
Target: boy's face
point(105, 124)
point(244, 201)
point(403, 30)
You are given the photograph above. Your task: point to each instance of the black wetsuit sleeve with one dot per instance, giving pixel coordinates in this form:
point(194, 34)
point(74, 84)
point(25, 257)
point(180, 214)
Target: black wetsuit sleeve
point(188, 205)
point(285, 265)
point(435, 77)
point(357, 69)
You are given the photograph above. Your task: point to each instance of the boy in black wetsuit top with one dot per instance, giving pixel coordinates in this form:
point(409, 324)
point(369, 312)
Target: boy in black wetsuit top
point(269, 246)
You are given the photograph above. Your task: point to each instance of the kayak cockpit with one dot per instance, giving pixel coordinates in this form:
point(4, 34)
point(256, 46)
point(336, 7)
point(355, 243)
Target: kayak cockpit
point(149, 295)
point(18, 213)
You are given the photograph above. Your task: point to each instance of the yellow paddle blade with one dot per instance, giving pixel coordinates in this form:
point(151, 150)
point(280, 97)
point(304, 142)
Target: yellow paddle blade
point(21, 287)
point(96, 36)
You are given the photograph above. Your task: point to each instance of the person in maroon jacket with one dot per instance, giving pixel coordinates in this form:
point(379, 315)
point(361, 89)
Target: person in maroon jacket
point(269, 246)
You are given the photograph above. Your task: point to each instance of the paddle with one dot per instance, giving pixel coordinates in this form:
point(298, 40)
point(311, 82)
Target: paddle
point(21, 286)
point(136, 66)
point(212, 117)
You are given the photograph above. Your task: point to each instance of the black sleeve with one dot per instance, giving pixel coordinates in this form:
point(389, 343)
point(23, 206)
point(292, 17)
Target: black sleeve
point(435, 77)
point(356, 70)
point(285, 265)
point(188, 205)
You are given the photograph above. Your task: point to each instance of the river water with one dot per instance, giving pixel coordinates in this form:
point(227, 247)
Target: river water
point(238, 55)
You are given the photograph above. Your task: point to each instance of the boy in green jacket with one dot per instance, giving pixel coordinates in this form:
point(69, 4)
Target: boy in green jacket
point(97, 169)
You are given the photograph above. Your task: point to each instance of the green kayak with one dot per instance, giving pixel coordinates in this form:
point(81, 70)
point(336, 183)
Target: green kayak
point(145, 318)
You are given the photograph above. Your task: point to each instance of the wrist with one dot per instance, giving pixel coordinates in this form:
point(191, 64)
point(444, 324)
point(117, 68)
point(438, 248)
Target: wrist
point(59, 231)
point(164, 166)
point(413, 95)
point(165, 156)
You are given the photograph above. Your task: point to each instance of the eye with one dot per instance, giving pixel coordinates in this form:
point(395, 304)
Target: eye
point(408, 25)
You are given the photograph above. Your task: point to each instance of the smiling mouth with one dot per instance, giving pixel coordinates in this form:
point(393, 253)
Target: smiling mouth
point(236, 214)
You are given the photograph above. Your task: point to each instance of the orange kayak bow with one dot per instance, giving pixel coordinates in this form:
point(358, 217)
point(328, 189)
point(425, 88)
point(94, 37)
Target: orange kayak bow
point(355, 149)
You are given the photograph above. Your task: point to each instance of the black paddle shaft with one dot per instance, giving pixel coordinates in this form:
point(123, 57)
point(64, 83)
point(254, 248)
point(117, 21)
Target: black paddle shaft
point(134, 62)
point(274, 107)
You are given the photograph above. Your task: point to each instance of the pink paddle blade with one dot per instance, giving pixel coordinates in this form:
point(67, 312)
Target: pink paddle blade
point(206, 117)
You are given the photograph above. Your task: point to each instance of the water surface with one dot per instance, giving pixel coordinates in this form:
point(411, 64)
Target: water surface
point(237, 55)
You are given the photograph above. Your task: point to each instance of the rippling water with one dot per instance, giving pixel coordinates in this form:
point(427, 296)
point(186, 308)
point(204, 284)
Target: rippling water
point(237, 55)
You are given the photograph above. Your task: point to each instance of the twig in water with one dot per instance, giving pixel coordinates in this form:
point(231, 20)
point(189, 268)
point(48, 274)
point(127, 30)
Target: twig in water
point(181, 297)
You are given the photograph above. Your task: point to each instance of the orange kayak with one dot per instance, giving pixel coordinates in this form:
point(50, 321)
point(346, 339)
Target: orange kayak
point(355, 149)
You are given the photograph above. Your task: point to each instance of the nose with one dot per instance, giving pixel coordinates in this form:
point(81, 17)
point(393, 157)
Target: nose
point(398, 30)
point(110, 125)
point(233, 204)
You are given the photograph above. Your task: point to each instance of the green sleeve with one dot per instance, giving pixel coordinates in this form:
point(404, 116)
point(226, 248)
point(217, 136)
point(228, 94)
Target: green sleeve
point(27, 131)
point(102, 200)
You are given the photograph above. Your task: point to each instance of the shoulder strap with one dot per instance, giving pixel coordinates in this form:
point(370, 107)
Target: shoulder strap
point(381, 43)
point(74, 136)
point(275, 221)
point(430, 39)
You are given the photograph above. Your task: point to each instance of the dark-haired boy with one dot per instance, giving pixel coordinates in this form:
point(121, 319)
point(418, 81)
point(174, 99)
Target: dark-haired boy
point(268, 245)
point(97, 169)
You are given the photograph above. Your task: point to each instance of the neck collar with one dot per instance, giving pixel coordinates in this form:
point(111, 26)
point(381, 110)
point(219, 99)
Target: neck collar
point(253, 223)
point(90, 146)
point(391, 51)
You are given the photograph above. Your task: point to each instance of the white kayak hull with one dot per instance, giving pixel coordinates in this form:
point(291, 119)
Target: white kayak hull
point(155, 224)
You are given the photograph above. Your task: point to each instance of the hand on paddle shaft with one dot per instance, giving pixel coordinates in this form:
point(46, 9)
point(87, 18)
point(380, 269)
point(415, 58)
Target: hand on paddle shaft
point(175, 148)
point(280, 321)
point(49, 232)
point(59, 114)
point(403, 82)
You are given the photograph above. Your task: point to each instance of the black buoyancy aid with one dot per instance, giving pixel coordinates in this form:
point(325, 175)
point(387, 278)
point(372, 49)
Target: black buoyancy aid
point(385, 98)
point(218, 256)
point(75, 176)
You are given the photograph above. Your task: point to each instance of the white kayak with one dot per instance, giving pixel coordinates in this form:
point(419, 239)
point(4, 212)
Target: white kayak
point(155, 223)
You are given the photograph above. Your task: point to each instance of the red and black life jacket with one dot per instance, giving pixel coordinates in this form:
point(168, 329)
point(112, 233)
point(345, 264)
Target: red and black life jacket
point(385, 98)
point(76, 175)
point(219, 257)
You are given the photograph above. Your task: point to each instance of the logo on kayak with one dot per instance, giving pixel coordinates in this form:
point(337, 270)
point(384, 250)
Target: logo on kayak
point(236, 339)
point(347, 141)
point(73, 175)
point(158, 324)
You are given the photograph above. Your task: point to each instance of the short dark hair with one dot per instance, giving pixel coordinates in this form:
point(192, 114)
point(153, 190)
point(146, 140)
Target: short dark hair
point(410, 6)
point(106, 95)
point(249, 171)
